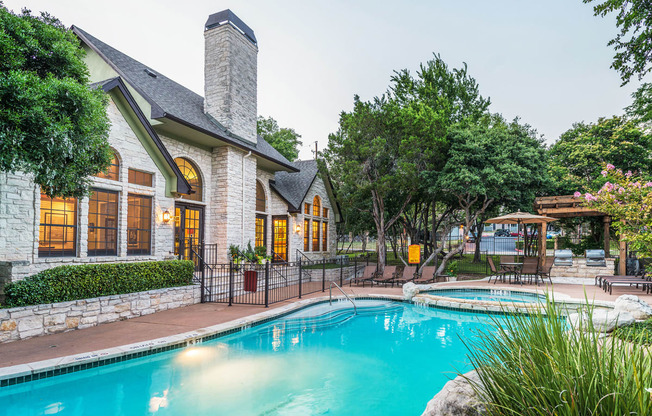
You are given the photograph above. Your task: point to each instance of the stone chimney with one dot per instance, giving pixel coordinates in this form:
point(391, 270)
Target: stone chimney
point(230, 74)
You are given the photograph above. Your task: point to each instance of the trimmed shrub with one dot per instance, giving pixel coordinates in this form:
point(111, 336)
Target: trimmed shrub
point(66, 283)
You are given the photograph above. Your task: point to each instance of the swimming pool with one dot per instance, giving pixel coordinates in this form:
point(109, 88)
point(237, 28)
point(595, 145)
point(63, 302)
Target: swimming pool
point(390, 359)
point(493, 295)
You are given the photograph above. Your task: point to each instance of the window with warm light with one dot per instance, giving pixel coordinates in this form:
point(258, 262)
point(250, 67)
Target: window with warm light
point(113, 172)
point(315, 236)
point(140, 178)
point(306, 208)
point(316, 206)
point(190, 171)
point(325, 212)
point(58, 227)
point(261, 204)
point(306, 235)
point(103, 223)
point(139, 224)
point(324, 236)
point(261, 231)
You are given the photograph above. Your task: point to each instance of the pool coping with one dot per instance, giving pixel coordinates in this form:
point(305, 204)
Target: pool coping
point(38, 370)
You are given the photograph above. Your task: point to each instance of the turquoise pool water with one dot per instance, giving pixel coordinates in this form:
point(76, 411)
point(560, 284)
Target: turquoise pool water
point(389, 360)
point(496, 295)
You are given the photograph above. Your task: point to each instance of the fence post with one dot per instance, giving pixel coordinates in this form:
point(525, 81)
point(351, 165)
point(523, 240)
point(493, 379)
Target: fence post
point(231, 283)
point(203, 279)
point(355, 269)
point(323, 275)
point(267, 284)
point(341, 272)
point(300, 276)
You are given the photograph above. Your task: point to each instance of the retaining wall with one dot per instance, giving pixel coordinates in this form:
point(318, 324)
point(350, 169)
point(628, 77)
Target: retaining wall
point(31, 321)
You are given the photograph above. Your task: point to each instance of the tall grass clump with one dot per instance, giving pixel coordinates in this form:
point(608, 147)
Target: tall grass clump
point(537, 365)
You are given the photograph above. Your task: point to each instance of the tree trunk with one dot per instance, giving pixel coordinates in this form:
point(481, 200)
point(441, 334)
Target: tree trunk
point(479, 229)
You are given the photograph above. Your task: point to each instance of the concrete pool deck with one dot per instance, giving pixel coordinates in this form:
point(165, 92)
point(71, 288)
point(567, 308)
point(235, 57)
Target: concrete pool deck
point(196, 317)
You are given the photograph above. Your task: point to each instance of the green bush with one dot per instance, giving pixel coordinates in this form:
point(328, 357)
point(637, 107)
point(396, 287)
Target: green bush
point(586, 243)
point(65, 283)
point(533, 366)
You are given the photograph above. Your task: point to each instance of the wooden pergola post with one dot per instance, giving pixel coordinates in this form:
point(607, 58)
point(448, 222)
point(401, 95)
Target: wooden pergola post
point(543, 230)
point(606, 220)
point(622, 256)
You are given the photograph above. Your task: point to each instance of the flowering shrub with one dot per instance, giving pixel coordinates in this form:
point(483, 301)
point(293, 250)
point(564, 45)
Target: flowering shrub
point(627, 198)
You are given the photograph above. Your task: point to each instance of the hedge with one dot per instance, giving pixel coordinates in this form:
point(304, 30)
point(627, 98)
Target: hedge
point(66, 283)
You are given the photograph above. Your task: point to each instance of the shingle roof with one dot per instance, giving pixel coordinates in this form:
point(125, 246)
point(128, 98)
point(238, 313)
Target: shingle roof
point(293, 187)
point(172, 100)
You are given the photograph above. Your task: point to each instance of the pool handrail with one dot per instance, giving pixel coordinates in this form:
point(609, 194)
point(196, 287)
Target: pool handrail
point(330, 297)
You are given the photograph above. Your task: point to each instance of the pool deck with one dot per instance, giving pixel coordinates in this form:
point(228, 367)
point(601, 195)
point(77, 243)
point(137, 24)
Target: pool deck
point(190, 318)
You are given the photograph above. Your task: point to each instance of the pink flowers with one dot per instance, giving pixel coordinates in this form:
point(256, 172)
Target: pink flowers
point(629, 174)
point(590, 197)
point(577, 194)
point(610, 166)
point(604, 173)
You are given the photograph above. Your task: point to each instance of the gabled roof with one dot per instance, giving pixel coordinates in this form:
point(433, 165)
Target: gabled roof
point(293, 187)
point(173, 101)
point(182, 185)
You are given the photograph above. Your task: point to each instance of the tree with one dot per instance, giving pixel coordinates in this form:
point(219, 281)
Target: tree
point(641, 107)
point(633, 44)
point(576, 158)
point(285, 140)
point(627, 198)
point(52, 125)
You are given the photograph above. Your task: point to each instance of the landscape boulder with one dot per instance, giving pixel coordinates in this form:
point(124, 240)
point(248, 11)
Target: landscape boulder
point(457, 398)
point(632, 304)
point(603, 320)
point(410, 290)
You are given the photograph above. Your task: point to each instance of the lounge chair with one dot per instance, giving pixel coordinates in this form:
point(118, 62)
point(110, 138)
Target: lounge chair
point(609, 281)
point(427, 275)
point(408, 275)
point(386, 277)
point(494, 272)
point(368, 274)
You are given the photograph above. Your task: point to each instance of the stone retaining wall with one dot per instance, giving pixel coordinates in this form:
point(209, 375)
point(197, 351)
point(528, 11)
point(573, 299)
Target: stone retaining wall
point(31, 321)
point(580, 269)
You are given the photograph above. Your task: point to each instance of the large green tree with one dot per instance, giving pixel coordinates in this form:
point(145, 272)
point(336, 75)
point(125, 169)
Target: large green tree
point(283, 139)
point(576, 159)
point(633, 44)
point(52, 125)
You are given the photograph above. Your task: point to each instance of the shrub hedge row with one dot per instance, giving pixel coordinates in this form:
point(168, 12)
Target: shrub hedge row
point(66, 283)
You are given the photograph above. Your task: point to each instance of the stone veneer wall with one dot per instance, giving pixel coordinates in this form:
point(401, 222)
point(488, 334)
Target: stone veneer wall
point(31, 321)
point(317, 188)
point(580, 269)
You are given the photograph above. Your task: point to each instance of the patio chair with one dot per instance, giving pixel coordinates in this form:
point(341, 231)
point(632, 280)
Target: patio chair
point(506, 259)
point(530, 268)
point(494, 272)
point(368, 274)
point(545, 271)
point(388, 275)
point(609, 281)
point(408, 274)
point(427, 275)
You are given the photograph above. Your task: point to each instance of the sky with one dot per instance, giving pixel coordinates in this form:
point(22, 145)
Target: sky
point(546, 62)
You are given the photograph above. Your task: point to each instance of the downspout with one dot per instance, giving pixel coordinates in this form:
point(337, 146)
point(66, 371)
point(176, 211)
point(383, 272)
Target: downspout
point(243, 198)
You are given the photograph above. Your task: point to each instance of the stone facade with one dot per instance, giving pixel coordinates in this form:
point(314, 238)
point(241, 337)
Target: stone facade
point(317, 189)
point(30, 321)
point(580, 269)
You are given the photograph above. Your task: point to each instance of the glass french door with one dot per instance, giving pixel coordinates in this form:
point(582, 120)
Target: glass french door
point(280, 238)
point(188, 228)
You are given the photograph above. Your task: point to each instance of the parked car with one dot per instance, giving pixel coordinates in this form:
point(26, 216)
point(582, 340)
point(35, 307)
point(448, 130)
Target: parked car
point(552, 234)
point(502, 233)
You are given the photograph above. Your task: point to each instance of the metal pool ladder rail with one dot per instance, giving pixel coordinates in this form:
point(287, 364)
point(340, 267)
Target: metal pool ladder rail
point(330, 296)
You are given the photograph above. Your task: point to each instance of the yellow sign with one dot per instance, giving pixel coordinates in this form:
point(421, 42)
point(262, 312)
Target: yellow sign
point(414, 254)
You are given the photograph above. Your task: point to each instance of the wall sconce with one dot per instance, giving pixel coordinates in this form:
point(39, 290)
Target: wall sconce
point(166, 216)
point(297, 228)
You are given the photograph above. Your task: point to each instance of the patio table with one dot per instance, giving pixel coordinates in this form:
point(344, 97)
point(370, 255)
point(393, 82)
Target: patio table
point(512, 268)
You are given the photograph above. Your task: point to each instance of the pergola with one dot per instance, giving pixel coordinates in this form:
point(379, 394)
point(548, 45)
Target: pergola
point(567, 206)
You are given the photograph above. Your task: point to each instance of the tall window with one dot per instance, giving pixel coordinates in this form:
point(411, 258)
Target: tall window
point(103, 223)
point(316, 206)
point(139, 224)
point(306, 208)
point(113, 172)
point(260, 197)
point(315, 236)
point(58, 227)
point(325, 212)
point(140, 178)
point(306, 235)
point(261, 225)
point(191, 173)
point(324, 236)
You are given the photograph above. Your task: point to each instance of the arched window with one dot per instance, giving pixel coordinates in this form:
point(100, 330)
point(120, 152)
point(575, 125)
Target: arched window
point(316, 206)
point(113, 172)
point(260, 197)
point(191, 173)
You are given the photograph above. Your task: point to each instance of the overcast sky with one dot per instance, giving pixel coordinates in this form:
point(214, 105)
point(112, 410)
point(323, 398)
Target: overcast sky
point(545, 61)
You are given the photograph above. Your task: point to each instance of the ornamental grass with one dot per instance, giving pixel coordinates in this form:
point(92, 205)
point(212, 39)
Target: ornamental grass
point(536, 365)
